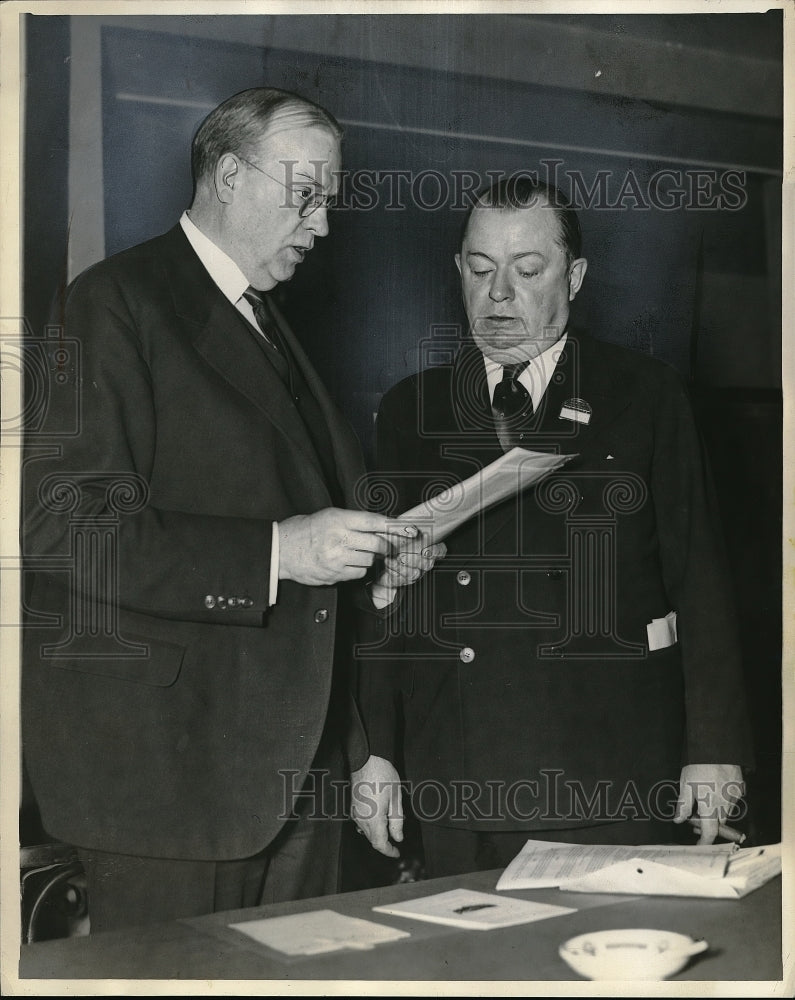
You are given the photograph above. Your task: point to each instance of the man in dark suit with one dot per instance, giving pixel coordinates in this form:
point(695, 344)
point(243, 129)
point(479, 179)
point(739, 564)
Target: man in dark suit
point(572, 667)
point(192, 546)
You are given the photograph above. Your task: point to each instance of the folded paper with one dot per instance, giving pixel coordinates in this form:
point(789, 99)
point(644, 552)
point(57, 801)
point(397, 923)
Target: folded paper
point(718, 871)
point(661, 632)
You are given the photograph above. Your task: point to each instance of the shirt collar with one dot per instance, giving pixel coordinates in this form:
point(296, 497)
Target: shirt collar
point(536, 377)
point(220, 266)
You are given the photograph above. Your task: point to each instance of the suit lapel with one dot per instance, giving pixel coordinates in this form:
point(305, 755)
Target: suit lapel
point(225, 340)
point(580, 374)
point(472, 405)
point(347, 451)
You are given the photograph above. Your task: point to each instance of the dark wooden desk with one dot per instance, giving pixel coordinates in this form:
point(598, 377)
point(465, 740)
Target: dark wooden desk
point(744, 937)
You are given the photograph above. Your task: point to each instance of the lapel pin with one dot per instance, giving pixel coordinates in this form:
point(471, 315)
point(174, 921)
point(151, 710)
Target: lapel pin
point(577, 410)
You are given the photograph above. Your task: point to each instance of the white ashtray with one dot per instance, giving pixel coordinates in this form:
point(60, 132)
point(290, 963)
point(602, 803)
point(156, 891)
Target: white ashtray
point(635, 953)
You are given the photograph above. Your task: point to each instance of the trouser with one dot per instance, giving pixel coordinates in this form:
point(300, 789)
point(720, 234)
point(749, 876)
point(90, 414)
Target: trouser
point(301, 862)
point(455, 851)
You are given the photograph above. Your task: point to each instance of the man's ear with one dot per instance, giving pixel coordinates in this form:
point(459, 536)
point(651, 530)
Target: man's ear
point(576, 276)
point(226, 176)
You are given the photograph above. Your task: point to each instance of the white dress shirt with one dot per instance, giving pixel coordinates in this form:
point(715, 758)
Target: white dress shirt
point(536, 377)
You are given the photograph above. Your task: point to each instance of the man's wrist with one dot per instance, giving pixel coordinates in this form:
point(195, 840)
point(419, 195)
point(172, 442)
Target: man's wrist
point(380, 595)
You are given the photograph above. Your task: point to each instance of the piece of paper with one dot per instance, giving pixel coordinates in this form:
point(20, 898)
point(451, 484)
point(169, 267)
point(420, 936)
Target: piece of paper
point(514, 471)
point(751, 867)
point(545, 864)
point(480, 911)
point(661, 632)
point(318, 932)
point(720, 871)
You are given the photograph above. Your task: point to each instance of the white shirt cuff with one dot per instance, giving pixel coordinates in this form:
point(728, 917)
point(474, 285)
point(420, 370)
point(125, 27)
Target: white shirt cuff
point(273, 588)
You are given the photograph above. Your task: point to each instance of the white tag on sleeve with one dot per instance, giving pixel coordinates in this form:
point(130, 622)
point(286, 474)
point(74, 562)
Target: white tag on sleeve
point(661, 632)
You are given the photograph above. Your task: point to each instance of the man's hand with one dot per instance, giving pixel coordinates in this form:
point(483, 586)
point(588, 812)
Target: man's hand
point(408, 560)
point(377, 804)
point(713, 790)
point(333, 545)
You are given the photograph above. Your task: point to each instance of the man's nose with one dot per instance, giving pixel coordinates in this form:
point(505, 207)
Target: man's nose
point(501, 289)
point(317, 222)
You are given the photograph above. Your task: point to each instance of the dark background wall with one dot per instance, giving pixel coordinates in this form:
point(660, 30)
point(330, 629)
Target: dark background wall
point(431, 96)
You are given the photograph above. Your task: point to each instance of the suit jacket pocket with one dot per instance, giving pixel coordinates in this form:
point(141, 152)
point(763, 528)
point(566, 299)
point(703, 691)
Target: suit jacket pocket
point(157, 664)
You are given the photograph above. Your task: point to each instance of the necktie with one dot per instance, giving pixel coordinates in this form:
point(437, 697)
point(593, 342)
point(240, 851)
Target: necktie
point(511, 399)
point(278, 353)
point(512, 406)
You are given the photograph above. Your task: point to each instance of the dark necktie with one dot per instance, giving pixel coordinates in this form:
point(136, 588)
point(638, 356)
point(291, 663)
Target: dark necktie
point(278, 353)
point(512, 406)
point(510, 396)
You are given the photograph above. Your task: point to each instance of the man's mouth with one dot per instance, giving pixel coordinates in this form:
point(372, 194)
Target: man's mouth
point(301, 251)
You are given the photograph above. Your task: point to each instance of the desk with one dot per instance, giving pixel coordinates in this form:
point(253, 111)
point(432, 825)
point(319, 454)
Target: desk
point(744, 937)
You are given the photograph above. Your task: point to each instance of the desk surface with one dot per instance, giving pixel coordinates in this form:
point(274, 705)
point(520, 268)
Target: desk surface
point(744, 938)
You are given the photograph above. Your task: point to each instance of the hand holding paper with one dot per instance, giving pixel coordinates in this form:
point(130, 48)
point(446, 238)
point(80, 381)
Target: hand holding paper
point(406, 563)
point(508, 475)
point(438, 517)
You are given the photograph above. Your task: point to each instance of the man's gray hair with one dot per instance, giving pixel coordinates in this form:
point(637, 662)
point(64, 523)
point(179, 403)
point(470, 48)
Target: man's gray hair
point(241, 121)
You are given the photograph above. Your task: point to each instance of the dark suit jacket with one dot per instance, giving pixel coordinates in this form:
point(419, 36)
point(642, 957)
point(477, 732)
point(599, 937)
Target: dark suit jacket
point(159, 715)
point(522, 660)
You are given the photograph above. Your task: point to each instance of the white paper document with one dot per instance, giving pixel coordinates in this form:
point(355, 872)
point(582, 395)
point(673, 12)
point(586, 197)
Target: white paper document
point(514, 471)
point(720, 871)
point(481, 911)
point(318, 932)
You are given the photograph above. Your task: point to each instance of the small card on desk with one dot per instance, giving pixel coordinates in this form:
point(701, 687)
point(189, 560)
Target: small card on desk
point(480, 911)
point(317, 932)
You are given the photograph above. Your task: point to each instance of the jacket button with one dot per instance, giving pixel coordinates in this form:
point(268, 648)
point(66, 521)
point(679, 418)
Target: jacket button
point(464, 578)
point(467, 654)
point(321, 615)
point(246, 602)
point(209, 601)
point(232, 602)
point(554, 574)
point(221, 602)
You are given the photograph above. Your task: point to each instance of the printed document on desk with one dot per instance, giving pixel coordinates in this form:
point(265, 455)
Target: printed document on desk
point(719, 871)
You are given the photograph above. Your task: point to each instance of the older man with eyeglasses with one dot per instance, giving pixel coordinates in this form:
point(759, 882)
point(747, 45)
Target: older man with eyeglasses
point(186, 725)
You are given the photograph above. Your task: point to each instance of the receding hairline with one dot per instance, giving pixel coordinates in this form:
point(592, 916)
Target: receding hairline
point(250, 117)
point(285, 121)
point(298, 116)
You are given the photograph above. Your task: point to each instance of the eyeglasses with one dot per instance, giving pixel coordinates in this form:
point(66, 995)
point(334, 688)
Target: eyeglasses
point(311, 201)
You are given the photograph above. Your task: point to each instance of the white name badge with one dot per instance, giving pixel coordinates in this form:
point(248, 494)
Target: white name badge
point(576, 409)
